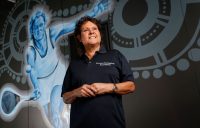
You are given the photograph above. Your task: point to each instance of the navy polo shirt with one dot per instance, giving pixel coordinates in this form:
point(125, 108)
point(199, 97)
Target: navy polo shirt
point(101, 111)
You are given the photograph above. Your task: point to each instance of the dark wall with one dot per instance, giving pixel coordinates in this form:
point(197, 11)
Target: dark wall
point(160, 39)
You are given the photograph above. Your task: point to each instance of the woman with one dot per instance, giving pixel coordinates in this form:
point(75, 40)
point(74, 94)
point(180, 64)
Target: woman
point(95, 82)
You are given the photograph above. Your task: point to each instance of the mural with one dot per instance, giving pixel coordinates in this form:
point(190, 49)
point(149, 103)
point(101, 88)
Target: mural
point(45, 66)
point(157, 30)
point(160, 38)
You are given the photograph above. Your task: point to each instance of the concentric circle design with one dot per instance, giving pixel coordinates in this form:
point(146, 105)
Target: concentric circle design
point(151, 42)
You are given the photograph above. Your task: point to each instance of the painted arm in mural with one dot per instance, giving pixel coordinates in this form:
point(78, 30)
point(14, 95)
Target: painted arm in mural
point(100, 7)
point(30, 69)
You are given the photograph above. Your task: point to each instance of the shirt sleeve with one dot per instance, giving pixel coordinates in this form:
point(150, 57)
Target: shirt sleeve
point(67, 81)
point(125, 74)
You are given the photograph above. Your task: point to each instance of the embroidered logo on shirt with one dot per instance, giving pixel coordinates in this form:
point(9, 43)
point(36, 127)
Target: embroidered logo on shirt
point(105, 63)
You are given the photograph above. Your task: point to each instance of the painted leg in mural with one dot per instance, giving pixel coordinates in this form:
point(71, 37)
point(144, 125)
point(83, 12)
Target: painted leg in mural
point(59, 114)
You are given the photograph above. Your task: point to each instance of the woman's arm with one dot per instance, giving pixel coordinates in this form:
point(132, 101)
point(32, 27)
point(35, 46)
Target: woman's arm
point(119, 88)
point(98, 89)
point(124, 87)
point(83, 91)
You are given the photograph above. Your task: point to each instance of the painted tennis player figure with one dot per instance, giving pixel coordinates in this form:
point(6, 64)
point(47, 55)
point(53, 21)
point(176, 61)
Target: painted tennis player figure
point(45, 67)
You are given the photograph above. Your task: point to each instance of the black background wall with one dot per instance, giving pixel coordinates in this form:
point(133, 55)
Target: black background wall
point(160, 38)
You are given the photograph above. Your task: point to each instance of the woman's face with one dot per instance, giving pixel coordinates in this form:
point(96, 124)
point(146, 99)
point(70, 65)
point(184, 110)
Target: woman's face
point(90, 34)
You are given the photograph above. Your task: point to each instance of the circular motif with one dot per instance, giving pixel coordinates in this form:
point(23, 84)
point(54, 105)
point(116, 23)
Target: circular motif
point(157, 73)
point(150, 41)
point(73, 10)
point(136, 75)
point(183, 64)
point(145, 74)
point(169, 70)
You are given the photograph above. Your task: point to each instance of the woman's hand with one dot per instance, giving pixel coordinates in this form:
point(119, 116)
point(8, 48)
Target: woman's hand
point(85, 91)
point(102, 88)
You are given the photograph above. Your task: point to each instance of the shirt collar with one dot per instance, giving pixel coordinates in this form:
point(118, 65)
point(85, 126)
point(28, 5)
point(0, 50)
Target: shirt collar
point(101, 50)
